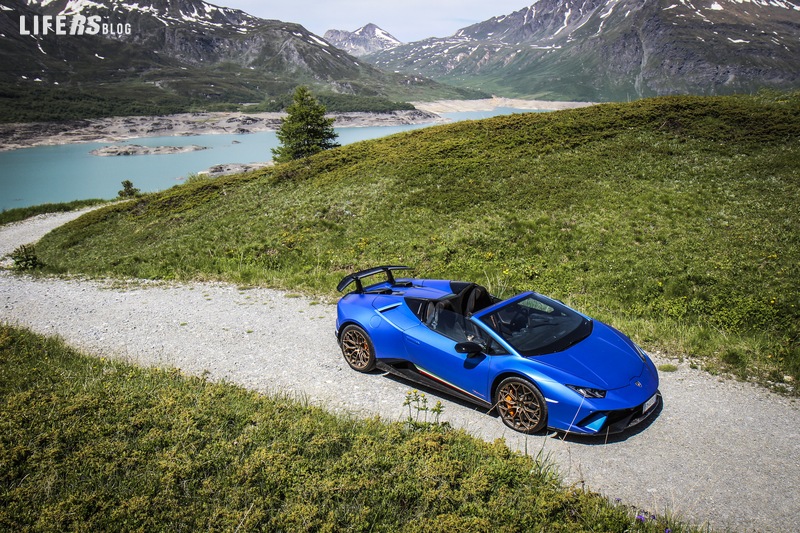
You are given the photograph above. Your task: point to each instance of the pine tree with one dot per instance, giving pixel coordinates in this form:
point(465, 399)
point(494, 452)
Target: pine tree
point(128, 190)
point(305, 130)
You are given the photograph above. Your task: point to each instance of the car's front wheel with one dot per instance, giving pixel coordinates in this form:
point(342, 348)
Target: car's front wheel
point(357, 348)
point(521, 405)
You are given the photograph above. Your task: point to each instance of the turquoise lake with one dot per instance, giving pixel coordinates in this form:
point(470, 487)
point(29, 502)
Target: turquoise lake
point(44, 174)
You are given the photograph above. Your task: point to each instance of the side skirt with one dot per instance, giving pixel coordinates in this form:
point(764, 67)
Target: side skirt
point(408, 371)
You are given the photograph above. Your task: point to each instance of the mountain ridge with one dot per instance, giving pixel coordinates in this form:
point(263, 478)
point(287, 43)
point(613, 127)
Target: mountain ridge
point(616, 49)
point(181, 51)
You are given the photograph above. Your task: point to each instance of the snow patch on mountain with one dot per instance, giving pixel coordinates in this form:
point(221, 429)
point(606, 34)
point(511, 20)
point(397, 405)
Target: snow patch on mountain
point(319, 41)
point(194, 12)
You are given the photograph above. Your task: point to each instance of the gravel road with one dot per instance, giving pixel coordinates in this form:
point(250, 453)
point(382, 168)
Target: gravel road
point(720, 452)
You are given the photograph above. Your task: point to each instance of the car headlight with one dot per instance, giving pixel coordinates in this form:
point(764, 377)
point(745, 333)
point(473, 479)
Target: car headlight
point(588, 392)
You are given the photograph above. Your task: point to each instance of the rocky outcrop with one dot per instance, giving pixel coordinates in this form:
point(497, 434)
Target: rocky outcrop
point(119, 129)
point(137, 149)
point(233, 168)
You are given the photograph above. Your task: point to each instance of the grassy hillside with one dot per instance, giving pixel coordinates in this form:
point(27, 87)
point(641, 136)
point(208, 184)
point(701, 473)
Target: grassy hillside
point(675, 219)
point(95, 445)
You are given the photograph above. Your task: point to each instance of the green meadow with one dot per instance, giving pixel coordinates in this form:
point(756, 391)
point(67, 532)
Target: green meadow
point(676, 219)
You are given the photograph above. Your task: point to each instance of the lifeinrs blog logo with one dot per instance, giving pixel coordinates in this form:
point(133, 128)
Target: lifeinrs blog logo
point(66, 25)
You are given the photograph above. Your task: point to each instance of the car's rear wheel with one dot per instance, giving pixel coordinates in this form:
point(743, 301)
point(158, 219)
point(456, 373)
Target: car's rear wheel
point(521, 405)
point(357, 348)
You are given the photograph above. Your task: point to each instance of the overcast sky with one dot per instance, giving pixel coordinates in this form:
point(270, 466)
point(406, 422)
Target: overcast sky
point(407, 20)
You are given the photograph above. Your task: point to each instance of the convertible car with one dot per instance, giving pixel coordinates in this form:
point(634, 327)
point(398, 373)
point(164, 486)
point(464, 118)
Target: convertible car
point(539, 363)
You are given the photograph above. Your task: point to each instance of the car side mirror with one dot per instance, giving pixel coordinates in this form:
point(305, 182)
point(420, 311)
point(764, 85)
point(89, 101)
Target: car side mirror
point(470, 348)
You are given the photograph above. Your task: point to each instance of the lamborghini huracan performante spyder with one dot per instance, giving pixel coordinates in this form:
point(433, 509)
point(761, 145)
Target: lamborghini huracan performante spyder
point(539, 363)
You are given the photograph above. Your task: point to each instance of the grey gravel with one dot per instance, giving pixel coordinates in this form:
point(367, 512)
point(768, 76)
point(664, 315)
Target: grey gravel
point(721, 452)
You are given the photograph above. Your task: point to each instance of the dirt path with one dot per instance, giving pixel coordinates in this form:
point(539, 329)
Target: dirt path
point(720, 451)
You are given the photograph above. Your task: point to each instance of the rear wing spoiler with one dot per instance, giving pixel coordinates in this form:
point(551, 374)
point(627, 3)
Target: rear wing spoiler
point(358, 276)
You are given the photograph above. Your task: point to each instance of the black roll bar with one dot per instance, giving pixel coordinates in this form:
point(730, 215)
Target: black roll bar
point(358, 276)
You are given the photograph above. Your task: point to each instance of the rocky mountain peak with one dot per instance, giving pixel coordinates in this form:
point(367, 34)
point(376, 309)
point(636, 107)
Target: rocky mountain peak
point(365, 40)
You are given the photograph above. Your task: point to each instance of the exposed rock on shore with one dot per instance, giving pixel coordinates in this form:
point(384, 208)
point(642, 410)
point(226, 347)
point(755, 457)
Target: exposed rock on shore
point(233, 168)
point(115, 129)
point(488, 104)
point(137, 149)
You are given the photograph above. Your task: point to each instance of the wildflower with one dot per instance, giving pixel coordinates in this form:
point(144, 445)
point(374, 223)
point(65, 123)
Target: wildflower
point(640, 518)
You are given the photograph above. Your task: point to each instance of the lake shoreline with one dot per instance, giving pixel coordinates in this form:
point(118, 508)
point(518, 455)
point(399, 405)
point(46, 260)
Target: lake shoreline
point(120, 129)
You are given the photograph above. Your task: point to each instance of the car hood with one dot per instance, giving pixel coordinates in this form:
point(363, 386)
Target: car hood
point(604, 359)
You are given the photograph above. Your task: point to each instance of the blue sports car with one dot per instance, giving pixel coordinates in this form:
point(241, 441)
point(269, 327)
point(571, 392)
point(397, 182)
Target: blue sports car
point(538, 362)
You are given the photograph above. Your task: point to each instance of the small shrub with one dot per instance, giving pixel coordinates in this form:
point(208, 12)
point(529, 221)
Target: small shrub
point(734, 357)
point(668, 367)
point(737, 361)
point(25, 258)
point(417, 404)
point(194, 177)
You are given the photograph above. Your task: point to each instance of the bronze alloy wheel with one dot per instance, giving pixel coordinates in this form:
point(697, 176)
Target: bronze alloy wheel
point(521, 405)
point(357, 349)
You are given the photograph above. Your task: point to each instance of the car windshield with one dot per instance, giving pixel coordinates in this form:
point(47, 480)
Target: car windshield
point(536, 325)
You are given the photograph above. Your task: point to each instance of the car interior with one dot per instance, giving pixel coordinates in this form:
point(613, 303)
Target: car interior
point(448, 316)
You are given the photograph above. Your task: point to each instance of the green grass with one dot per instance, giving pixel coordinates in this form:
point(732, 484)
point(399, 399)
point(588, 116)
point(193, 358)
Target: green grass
point(675, 219)
point(21, 213)
point(93, 444)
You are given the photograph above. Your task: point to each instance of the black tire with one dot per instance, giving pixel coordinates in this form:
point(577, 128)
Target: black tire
point(357, 348)
point(520, 405)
